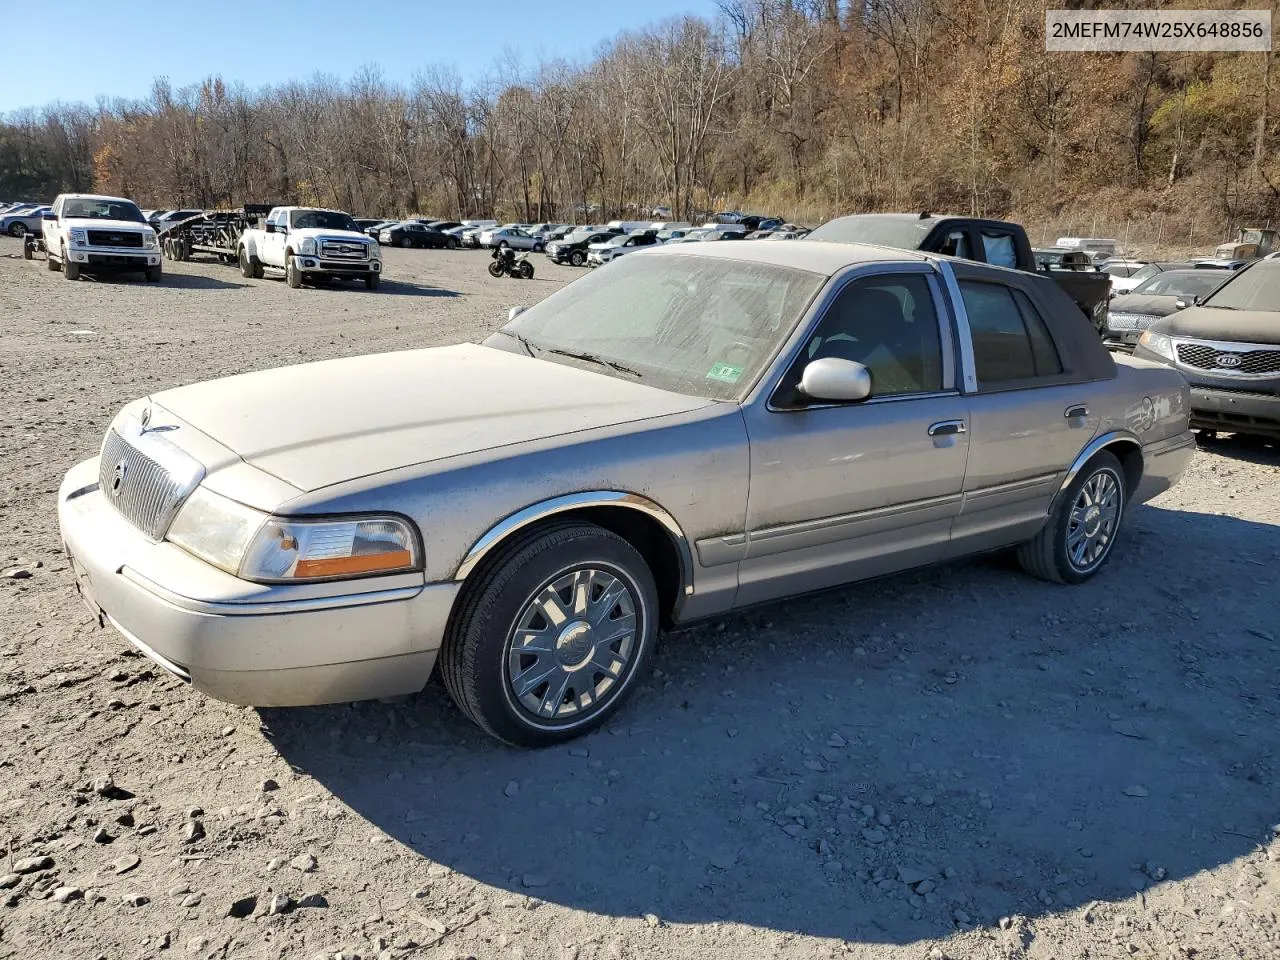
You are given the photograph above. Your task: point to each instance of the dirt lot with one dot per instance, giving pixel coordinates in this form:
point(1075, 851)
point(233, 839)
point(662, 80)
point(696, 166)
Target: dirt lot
point(961, 762)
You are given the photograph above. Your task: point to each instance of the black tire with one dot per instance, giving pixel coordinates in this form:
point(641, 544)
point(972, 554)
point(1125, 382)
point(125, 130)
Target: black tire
point(1048, 556)
point(50, 264)
point(577, 258)
point(70, 270)
point(246, 265)
point(476, 656)
point(154, 274)
point(292, 275)
point(502, 244)
point(451, 243)
point(372, 281)
point(538, 247)
point(17, 229)
point(26, 251)
point(526, 270)
point(495, 268)
point(406, 242)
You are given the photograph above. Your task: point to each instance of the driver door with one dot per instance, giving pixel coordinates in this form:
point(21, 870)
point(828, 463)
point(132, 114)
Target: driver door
point(845, 491)
point(273, 243)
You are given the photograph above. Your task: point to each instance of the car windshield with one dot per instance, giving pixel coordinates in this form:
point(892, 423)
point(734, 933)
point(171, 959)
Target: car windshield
point(701, 326)
point(1257, 288)
point(322, 220)
point(905, 233)
point(1147, 272)
point(1182, 283)
point(90, 209)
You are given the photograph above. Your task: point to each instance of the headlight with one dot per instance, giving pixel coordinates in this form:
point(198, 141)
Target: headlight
point(149, 241)
point(255, 546)
point(307, 246)
point(1158, 344)
point(78, 235)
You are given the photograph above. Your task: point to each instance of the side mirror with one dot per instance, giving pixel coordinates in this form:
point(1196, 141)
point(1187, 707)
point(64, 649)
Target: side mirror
point(269, 227)
point(48, 215)
point(837, 380)
point(1180, 303)
point(515, 312)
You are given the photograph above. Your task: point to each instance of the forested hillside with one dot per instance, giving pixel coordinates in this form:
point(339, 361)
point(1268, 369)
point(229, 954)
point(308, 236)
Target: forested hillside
point(805, 108)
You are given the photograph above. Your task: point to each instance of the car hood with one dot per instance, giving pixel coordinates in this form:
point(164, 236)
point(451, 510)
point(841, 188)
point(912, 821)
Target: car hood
point(316, 232)
point(95, 223)
point(317, 424)
point(1148, 304)
point(1212, 323)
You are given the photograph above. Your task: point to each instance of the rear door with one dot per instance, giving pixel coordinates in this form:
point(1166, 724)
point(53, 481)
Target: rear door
point(1029, 415)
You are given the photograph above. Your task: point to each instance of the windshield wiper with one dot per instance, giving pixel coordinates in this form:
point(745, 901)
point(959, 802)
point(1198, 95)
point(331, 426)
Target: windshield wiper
point(602, 361)
point(523, 341)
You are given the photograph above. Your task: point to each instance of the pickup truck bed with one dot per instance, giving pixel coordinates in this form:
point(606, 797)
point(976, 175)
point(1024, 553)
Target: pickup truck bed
point(997, 242)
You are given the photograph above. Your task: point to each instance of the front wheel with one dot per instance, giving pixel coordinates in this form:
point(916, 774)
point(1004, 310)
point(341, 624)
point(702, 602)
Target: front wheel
point(495, 268)
point(154, 274)
point(70, 269)
point(406, 242)
point(372, 280)
point(17, 229)
point(292, 275)
point(577, 258)
point(552, 635)
point(1082, 529)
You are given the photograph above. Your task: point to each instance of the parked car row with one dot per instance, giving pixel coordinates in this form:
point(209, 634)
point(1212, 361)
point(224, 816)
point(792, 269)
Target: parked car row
point(19, 219)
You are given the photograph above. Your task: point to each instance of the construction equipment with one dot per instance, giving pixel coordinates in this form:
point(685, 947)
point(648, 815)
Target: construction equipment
point(1252, 243)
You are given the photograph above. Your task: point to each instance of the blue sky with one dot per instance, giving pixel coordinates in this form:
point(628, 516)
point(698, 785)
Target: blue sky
point(116, 48)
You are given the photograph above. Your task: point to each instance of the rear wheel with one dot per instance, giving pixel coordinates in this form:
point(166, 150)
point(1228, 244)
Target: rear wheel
point(406, 242)
point(1083, 527)
point(292, 275)
point(526, 270)
point(577, 258)
point(552, 634)
point(451, 243)
point(17, 229)
point(27, 251)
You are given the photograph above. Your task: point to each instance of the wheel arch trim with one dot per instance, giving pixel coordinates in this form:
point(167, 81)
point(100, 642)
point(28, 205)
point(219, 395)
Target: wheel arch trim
point(1094, 446)
point(554, 506)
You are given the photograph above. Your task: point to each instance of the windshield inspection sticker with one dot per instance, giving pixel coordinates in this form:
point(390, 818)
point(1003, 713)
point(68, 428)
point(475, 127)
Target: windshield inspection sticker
point(725, 372)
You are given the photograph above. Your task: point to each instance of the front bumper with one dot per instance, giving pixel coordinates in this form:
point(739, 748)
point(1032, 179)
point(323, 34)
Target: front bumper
point(1237, 410)
point(354, 268)
point(243, 642)
point(123, 259)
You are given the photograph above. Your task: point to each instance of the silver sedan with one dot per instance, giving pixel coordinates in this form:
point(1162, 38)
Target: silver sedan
point(698, 428)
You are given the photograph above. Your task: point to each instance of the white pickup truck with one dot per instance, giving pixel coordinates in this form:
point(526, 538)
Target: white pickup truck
point(87, 233)
point(312, 245)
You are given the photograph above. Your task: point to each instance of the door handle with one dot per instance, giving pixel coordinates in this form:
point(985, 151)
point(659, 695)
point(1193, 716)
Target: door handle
point(947, 428)
point(1077, 412)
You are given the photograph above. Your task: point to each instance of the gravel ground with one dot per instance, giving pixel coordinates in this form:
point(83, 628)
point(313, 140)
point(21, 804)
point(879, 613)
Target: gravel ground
point(960, 762)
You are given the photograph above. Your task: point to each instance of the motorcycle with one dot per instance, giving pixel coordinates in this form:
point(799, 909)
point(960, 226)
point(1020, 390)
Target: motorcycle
point(505, 262)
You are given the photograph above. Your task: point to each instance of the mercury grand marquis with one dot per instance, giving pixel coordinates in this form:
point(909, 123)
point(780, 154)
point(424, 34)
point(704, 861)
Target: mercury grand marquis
point(696, 429)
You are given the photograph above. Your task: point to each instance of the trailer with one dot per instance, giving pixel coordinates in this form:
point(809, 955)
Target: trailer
point(214, 233)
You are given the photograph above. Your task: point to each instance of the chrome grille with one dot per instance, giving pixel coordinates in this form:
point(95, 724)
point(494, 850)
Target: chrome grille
point(114, 238)
point(1130, 321)
point(1245, 362)
point(338, 249)
point(142, 490)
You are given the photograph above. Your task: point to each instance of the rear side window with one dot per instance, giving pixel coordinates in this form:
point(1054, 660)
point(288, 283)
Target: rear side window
point(998, 249)
point(1010, 339)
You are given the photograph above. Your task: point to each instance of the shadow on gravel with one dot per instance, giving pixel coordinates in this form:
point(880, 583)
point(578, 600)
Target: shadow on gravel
point(193, 281)
point(1237, 446)
point(402, 288)
point(879, 763)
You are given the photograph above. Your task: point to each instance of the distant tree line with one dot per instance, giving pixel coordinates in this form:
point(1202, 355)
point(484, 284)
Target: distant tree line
point(803, 108)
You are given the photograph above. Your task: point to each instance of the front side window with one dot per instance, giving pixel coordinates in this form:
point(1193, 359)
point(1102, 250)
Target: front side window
point(1010, 339)
point(888, 324)
point(956, 244)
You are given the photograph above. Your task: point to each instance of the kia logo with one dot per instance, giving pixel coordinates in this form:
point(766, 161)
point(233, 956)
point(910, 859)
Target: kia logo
point(1228, 360)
